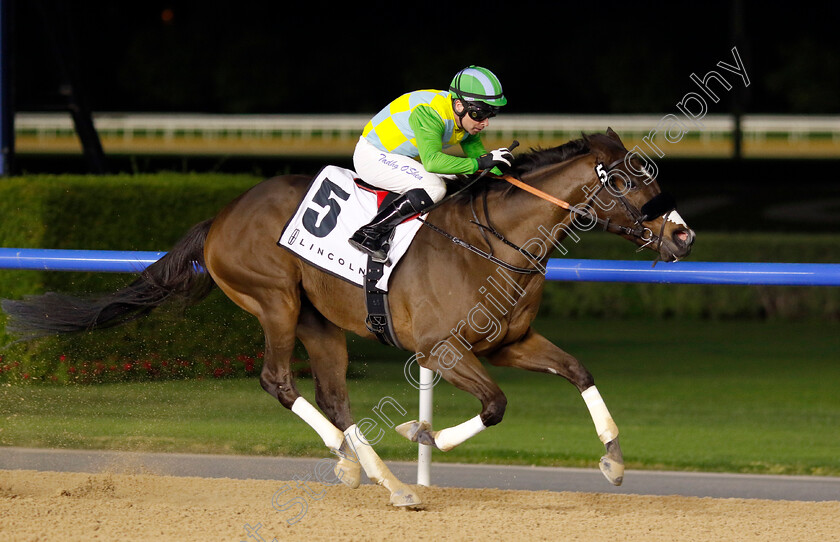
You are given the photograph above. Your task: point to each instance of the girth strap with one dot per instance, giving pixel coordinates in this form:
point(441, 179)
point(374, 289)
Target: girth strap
point(378, 320)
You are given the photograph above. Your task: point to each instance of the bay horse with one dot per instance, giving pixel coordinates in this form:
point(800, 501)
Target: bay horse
point(441, 303)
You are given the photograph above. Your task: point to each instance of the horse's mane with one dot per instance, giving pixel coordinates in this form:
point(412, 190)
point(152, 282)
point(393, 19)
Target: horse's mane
point(522, 164)
point(539, 158)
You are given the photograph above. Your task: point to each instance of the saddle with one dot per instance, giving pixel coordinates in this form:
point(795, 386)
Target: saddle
point(383, 197)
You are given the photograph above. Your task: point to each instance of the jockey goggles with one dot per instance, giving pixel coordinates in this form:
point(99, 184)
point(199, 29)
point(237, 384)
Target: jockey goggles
point(480, 111)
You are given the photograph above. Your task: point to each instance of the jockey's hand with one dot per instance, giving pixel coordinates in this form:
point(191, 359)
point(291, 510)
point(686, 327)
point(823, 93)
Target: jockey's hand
point(500, 158)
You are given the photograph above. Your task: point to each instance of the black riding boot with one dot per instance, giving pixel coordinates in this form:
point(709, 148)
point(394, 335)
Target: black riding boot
point(373, 238)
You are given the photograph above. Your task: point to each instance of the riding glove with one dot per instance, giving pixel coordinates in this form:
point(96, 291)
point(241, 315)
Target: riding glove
point(498, 158)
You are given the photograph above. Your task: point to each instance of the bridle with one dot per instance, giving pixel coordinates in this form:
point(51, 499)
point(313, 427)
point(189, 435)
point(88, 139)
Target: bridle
point(658, 205)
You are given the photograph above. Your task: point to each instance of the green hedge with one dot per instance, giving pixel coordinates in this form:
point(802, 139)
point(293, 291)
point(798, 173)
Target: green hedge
point(216, 339)
point(143, 212)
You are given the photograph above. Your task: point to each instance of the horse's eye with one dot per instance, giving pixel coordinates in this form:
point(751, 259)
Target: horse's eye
point(623, 184)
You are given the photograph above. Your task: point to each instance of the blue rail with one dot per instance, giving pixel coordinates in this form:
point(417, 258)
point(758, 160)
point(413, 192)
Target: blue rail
point(47, 259)
point(771, 274)
point(777, 274)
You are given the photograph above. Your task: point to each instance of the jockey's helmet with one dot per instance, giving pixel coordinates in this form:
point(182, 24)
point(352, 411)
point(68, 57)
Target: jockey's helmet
point(479, 90)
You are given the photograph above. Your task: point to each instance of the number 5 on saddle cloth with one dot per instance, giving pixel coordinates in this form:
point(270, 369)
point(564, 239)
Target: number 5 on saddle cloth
point(337, 204)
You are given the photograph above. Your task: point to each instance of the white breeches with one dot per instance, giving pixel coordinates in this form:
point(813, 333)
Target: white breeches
point(396, 172)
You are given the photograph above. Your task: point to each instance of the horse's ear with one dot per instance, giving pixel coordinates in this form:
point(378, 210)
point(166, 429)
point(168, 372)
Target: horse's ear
point(611, 133)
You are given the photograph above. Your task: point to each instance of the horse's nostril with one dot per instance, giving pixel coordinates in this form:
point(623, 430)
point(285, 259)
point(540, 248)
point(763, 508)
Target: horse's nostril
point(681, 236)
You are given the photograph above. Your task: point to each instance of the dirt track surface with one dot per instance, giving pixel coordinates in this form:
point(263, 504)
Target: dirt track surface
point(118, 506)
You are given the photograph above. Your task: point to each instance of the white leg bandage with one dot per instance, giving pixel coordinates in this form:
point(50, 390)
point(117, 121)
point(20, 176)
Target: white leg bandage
point(604, 424)
point(370, 461)
point(332, 436)
point(448, 438)
point(378, 472)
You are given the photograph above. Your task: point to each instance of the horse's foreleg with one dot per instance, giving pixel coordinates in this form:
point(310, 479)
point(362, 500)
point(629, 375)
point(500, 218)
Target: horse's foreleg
point(612, 463)
point(536, 353)
point(464, 371)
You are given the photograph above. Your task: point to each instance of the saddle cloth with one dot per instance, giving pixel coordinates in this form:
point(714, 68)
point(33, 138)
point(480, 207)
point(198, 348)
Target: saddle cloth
point(333, 208)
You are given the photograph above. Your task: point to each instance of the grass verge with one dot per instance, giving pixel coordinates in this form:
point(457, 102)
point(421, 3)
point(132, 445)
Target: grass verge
point(756, 397)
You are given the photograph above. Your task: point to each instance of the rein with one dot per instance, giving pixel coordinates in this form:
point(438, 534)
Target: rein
point(638, 230)
point(484, 254)
point(654, 207)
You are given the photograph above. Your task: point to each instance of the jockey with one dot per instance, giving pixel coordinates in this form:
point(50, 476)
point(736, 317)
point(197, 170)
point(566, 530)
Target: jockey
point(401, 149)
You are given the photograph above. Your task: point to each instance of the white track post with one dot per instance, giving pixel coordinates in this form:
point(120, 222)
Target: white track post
point(424, 453)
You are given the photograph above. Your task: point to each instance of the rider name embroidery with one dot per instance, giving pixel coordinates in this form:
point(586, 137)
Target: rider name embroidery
point(409, 170)
point(390, 163)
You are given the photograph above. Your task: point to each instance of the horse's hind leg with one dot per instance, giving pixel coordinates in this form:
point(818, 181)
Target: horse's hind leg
point(536, 353)
point(327, 348)
point(326, 345)
point(279, 321)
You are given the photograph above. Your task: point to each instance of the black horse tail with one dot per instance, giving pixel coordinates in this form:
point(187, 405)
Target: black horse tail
point(179, 275)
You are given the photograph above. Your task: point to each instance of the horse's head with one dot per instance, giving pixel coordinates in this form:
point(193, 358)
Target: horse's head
point(627, 200)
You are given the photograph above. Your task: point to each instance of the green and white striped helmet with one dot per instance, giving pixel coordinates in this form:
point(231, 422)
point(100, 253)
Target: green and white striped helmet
point(477, 84)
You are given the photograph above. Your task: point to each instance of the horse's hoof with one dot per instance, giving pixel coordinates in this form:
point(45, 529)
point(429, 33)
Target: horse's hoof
point(612, 464)
point(348, 472)
point(420, 432)
point(406, 498)
point(613, 471)
point(410, 429)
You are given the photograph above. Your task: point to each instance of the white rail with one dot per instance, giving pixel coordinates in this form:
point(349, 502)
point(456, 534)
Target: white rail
point(180, 123)
point(122, 130)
